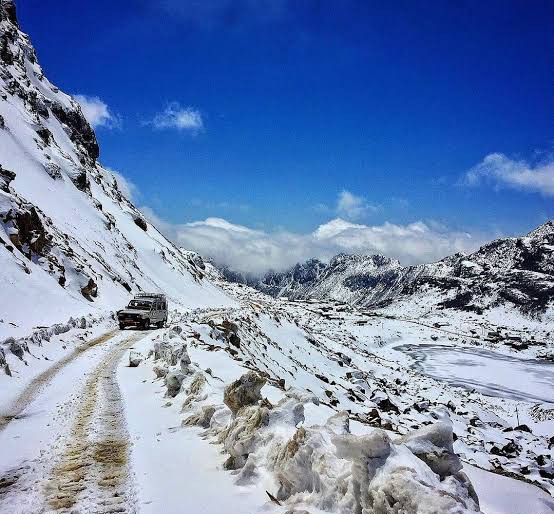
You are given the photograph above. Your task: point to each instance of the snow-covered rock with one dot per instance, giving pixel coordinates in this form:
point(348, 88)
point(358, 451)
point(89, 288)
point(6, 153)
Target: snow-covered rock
point(202, 418)
point(173, 381)
point(336, 471)
point(135, 359)
point(433, 444)
point(160, 371)
point(244, 392)
point(4, 366)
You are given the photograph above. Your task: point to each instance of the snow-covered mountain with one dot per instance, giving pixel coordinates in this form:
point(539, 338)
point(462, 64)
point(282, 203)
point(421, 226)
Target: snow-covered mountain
point(70, 241)
point(280, 406)
point(517, 271)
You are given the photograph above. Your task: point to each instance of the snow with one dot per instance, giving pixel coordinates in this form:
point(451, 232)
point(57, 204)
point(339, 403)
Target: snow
point(177, 449)
point(32, 441)
point(503, 495)
point(89, 228)
point(159, 472)
point(490, 372)
point(48, 354)
point(359, 408)
point(174, 468)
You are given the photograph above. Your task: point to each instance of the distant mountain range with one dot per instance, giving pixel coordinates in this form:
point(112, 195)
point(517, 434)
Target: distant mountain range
point(516, 271)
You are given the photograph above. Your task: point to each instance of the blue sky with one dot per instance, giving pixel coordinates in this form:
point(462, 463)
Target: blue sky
point(267, 113)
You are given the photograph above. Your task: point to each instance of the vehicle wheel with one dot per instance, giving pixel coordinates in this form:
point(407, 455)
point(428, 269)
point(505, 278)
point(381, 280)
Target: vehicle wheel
point(121, 326)
point(145, 324)
point(160, 324)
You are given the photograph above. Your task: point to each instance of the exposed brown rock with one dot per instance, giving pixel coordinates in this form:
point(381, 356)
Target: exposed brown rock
point(244, 391)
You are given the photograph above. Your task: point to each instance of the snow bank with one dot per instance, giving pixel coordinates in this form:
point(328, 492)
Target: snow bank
point(322, 465)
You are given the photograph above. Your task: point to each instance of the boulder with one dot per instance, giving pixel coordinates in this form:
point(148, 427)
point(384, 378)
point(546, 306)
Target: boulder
point(90, 291)
point(386, 405)
point(165, 351)
point(197, 384)
point(184, 360)
point(226, 331)
point(173, 381)
point(172, 354)
point(200, 419)
point(135, 359)
point(244, 392)
point(433, 444)
point(160, 372)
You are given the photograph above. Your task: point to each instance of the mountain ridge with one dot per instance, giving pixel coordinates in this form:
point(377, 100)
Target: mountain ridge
point(516, 270)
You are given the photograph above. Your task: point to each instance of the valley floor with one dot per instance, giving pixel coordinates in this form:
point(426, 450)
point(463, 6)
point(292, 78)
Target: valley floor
point(82, 431)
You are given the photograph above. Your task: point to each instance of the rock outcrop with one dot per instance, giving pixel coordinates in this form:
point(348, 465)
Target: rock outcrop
point(4, 363)
point(244, 392)
point(173, 381)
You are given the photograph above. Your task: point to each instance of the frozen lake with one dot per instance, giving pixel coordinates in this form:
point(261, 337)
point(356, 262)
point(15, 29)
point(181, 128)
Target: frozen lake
point(488, 372)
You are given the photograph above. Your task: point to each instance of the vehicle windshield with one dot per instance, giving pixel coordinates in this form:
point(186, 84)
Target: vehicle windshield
point(139, 304)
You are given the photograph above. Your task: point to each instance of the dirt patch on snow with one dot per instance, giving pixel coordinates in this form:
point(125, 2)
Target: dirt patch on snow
point(93, 469)
point(30, 392)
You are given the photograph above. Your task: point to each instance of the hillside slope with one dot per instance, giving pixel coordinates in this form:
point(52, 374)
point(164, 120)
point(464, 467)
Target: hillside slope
point(70, 242)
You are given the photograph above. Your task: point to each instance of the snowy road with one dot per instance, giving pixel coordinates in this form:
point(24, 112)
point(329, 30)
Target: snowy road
point(65, 443)
point(15, 410)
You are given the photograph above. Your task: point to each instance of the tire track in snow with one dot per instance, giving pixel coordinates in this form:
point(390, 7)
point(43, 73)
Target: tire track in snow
point(93, 473)
point(36, 385)
point(84, 469)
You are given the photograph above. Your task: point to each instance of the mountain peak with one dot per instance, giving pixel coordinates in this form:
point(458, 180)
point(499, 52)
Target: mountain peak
point(376, 260)
point(543, 230)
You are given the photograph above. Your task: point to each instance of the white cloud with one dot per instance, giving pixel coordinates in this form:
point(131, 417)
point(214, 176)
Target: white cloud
point(353, 207)
point(500, 170)
point(348, 206)
point(97, 112)
point(180, 118)
point(256, 251)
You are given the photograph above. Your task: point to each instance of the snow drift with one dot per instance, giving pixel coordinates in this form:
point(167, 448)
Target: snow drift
point(321, 465)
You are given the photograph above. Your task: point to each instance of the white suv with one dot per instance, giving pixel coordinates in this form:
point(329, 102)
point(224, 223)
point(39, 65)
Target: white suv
point(144, 309)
